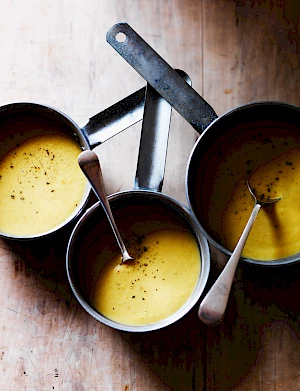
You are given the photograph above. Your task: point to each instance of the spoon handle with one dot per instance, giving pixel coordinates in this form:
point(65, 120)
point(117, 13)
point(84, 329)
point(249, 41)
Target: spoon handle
point(90, 165)
point(214, 304)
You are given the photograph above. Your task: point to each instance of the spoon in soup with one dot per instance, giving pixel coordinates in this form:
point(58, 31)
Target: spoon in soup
point(214, 304)
point(90, 165)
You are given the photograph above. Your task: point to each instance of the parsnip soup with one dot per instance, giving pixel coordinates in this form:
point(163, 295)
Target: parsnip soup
point(41, 184)
point(159, 281)
point(269, 156)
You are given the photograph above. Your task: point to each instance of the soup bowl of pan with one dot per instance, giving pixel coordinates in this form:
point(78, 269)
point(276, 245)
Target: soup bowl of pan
point(42, 188)
point(171, 255)
point(257, 142)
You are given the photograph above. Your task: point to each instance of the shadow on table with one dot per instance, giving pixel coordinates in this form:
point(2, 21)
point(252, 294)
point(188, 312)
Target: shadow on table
point(188, 355)
point(259, 334)
point(39, 266)
point(176, 353)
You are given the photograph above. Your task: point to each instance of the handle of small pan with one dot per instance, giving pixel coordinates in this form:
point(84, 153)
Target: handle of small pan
point(161, 76)
point(115, 118)
point(155, 111)
point(154, 139)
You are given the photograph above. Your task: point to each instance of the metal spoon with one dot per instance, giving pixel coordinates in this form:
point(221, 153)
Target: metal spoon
point(90, 165)
point(214, 304)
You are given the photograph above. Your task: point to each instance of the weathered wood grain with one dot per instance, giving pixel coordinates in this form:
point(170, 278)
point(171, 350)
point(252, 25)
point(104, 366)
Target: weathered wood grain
point(55, 53)
point(251, 53)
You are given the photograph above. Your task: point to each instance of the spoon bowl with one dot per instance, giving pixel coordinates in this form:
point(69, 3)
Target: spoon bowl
point(261, 198)
point(90, 165)
point(213, 306)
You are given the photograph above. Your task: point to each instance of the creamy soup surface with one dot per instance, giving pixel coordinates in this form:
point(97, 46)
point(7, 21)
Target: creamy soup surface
point(269, 157)
point(156, 284)
point(41, 184)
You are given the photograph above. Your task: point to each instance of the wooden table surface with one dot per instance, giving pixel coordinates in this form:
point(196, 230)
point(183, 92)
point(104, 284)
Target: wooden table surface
point(55, 53)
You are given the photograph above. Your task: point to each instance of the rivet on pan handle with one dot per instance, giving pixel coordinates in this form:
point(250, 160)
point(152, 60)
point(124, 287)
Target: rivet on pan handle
point(161, 76)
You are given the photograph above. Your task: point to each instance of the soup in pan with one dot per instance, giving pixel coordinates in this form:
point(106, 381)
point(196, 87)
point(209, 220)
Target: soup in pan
point(41, 184)
point(162, 277)
point(156, 284)
point(268, 155)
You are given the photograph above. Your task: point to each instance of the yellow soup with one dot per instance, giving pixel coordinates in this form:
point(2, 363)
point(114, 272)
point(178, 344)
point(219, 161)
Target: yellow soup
point(270, 158)
point(162, 277)
point(41, 184)
point(155, 285)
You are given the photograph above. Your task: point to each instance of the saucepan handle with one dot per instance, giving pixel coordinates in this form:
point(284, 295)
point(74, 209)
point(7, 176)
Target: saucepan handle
point(115, 119)
point(161, 76)
point(154, 139)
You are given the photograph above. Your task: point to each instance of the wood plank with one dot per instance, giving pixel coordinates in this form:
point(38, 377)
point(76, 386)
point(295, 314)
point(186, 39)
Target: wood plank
point(251, 53)
point(55, 53)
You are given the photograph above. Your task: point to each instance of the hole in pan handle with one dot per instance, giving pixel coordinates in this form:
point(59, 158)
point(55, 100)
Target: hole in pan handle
point(161, 76)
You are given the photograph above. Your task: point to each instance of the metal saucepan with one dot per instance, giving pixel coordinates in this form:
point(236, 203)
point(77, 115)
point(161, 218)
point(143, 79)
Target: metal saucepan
point(21, 121)
point(93, 233)
point(214, 131)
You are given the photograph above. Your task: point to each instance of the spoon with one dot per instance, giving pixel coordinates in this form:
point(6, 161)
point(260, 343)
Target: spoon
point(90, 165)
point(214, 304)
